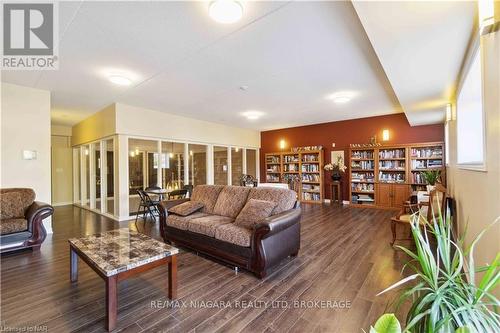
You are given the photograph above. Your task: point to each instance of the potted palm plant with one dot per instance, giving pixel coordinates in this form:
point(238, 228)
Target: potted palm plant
point(431, 177)
point(445, 293)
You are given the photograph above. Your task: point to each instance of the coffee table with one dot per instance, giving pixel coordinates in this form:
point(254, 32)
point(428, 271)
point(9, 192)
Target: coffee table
point(117, 254)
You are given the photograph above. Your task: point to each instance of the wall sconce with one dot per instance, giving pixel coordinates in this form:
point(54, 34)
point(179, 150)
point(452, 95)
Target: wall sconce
point(282, 144)
point(385, 135)
point(137, 151)
point(132, 154)
point(86, 151)
point(487, 19)
point(236, 149)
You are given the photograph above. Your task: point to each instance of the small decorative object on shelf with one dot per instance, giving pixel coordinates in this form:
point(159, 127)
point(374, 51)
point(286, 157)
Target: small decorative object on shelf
point(431, 177)
point(336, 168)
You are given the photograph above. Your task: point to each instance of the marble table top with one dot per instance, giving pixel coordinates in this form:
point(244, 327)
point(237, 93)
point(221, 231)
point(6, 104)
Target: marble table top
point(122, 249)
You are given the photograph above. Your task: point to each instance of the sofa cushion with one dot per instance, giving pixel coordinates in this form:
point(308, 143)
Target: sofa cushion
point(207, 195)
point(255, 211)
point(234, 234)
point(284, 198)
point(206, 225)
point(186, 208)
point(9, 226)
point(15, 201)
point(231, 200)
point(181, 222)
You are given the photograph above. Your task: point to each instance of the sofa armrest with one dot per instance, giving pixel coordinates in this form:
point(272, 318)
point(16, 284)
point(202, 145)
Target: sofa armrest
point(276, 223)
point(163, 208)
point(36, 213)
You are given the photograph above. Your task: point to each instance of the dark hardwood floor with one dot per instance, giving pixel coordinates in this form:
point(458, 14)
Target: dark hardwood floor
point(345, 256)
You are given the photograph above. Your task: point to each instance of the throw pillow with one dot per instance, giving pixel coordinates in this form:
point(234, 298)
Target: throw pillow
point(186, 208)
point(255, 211)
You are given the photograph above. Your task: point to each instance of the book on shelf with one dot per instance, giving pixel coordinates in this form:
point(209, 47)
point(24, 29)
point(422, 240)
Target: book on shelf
point(364, 154)
point(427, 152)
point(391, 153)
point(310, 158)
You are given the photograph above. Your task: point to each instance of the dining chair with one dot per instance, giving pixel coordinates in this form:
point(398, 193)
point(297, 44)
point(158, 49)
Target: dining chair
point(426, 211)
point(148, 205)
point(189, 189)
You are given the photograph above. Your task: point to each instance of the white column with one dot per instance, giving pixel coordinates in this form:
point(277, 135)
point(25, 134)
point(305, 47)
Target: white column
point(186, 164)
point(210, 164)
point(76, 176)
point(121, 169)
point(160, 169)
point(145, 170)
point(229, 166)
point(257, 161)
point(104, 175)
point(244, 160)
point(83, 177)
point(92, 175)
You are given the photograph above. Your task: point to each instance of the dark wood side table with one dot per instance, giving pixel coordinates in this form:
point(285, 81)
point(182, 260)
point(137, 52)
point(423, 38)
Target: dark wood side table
point(336, 188)
point(117, 254)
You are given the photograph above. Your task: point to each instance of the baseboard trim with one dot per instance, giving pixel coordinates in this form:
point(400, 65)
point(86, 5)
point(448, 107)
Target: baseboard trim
point(62, 204)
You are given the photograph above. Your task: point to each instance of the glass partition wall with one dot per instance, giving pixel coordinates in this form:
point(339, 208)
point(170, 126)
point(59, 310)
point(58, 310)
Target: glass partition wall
point(151, 163)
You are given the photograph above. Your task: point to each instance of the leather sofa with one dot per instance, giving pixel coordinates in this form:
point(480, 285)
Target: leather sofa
point(21, 220)
point(212, 230)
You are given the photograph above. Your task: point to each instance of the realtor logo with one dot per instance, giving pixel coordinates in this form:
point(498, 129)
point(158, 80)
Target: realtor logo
point(29, 36)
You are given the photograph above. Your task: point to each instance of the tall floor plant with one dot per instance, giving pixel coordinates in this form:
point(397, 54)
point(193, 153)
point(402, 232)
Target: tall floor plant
point(445, 293)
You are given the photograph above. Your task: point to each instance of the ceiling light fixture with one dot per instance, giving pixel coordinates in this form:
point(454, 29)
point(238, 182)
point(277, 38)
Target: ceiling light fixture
point(341, 97)
point(120, 80)
point(225, 11)
point(252, 115)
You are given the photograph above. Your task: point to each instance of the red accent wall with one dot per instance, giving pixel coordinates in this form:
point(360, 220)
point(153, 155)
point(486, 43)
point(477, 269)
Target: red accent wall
point(343, 133)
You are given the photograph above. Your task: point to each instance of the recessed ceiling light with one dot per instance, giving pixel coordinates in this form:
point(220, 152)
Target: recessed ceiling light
point(120, 80)
point(252, 115)
point(341, 97)
point(225, 11)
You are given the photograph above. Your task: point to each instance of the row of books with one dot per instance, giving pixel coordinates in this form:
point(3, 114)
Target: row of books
point(431, 152)
point(273, 168)
point(291, 159)
point(272, 178)
point(392, 165)
point(362, 154)
point(391, 153)
point(391, 177)
point(291, 167)
point(362, 177)
point(310, 168)
point(363, 165)
point(308, 196)
point(310, 158)
point(362, 187)
point(311, 187)
point(426, 164)
point(310, 177)
point(273, 159)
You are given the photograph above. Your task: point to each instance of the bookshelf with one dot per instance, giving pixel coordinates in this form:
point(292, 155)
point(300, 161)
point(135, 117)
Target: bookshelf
point(424, 157)
point(385, 176)
point(304, 166)
point(362, 176)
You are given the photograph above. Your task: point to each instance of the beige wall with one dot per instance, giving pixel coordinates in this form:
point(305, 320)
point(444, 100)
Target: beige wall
point(25, 125)
point(62, 165)
point(138, 121)
point(477, 193)
point(97, 126)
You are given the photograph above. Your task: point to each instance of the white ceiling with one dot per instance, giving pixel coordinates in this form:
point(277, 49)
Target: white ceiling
point(289, 54)
point(421, 47)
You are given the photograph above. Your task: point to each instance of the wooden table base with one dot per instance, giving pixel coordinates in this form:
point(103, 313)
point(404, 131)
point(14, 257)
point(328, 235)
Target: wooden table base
point(112, 281)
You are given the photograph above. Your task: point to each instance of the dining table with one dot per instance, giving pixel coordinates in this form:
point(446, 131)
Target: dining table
point(160, 192)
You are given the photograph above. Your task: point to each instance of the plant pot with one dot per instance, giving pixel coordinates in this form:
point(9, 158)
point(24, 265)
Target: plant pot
point(430, 188)
point(336, 176)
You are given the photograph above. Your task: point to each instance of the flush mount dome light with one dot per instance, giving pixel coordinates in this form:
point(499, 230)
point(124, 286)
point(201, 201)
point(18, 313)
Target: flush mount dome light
point(252, 115)
point(341, 97)
point(120, 80)
point(225, 11)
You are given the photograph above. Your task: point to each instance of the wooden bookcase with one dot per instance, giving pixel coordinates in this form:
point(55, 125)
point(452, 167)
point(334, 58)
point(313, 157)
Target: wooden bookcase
point(305, 166)
point(385, 176)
